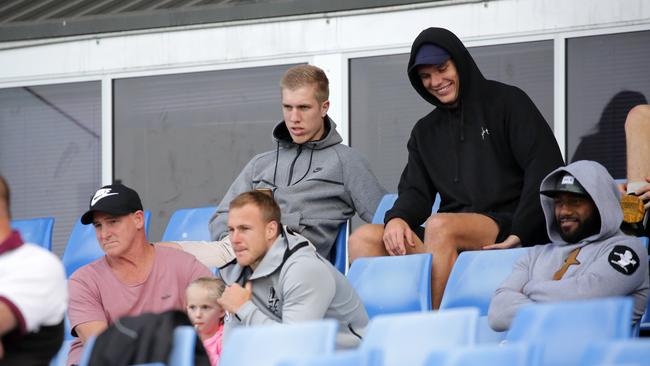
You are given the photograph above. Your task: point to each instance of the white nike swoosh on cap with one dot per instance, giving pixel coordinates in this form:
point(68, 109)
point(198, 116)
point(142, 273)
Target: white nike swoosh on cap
point(99, 197)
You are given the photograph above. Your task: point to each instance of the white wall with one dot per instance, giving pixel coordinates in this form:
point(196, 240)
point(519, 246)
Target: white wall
point(326, 40)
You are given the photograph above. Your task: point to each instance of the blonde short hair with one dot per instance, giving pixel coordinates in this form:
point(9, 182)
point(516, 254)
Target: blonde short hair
point(214, 286)
point(304, 75)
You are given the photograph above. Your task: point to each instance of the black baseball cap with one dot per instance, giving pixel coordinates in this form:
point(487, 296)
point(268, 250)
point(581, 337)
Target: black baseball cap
point(567, 183)
point(114, 199)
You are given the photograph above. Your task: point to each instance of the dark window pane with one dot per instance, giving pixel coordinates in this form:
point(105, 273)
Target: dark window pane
point(50, 151)
point(606, 76)
point(384, 107)
point(180, 140)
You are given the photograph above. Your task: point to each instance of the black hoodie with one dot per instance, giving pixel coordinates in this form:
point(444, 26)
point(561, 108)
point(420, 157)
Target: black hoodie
point(488, 153)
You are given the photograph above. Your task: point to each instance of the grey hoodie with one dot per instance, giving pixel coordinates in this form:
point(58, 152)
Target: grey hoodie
point(611, 263)
point(318, 185)
point(302, 287)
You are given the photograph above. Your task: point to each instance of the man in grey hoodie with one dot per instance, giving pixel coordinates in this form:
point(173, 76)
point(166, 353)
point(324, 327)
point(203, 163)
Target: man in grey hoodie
point(589, 256)
point(318, 182)
point(277, 276)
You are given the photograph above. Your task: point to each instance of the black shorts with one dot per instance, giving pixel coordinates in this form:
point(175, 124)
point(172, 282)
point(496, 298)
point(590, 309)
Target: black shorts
point(502, 219)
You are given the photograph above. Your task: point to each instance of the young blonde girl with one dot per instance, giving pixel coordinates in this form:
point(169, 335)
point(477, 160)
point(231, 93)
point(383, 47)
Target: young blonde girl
point(205, 313)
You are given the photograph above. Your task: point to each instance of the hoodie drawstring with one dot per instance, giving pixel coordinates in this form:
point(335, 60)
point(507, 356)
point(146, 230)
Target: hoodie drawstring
point(311, 155)
point(277, 157)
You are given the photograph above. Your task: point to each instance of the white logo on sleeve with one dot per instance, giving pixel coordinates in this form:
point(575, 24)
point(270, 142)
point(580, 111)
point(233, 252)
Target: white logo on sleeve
point(104, 192)
point(484, 131)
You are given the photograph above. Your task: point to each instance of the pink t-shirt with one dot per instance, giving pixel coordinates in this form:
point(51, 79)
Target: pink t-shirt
point(96, 294)
point(212, 346)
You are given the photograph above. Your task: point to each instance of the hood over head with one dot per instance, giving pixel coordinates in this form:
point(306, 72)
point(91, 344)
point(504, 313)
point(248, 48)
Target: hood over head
point(600, 186)
point(470, 77)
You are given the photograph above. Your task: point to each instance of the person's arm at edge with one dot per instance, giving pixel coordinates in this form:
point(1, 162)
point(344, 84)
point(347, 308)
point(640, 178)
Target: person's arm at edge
point(363, 186)
point(508, 297)
point(90, 329)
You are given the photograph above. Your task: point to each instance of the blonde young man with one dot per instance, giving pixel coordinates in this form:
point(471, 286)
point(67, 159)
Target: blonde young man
point(278, 277)
point(318, 182)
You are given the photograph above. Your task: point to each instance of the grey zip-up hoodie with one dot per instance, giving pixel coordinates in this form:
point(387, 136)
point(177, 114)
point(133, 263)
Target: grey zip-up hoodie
point(611, 263)
point(318, 185)
point(297, 287)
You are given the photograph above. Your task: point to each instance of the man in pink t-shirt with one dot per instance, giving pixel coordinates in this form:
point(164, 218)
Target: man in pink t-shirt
point(133, 277)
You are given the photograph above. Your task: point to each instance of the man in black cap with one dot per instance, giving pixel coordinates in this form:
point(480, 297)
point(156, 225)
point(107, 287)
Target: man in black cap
point(484, 148)
point(588, 257)
point(134, 276)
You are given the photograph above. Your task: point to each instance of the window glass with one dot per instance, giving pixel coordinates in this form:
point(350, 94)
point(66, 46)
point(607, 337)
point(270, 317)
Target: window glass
point(50, 151)
point(180, 140)
point(607, 75)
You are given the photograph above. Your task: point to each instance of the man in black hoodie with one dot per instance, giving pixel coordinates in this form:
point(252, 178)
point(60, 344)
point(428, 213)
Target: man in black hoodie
point(484, 149)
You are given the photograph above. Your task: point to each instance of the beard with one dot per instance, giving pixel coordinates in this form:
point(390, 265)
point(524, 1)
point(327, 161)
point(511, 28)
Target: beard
point(586, 228)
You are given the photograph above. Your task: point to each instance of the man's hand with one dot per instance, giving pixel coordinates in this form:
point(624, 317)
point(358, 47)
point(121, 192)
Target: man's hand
point(644, 194)
point(396, 233)
point(511, 241)
point(234, 296)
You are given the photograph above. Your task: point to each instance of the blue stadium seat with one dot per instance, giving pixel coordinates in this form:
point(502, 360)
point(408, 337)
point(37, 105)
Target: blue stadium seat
point(189, 224)
point(61, 358)
point(407, 339)
point(182, 353)
point(482, 355)
point(387, 203)
point(341, 249)
point(83, 247)
point(390, 285)
point(269, 344)
point(561, 331)
point(633, 352)
point(341, 358)
point(473, 280)
point(36, 231)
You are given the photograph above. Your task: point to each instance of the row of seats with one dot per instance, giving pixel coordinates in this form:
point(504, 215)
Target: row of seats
point(580, 333)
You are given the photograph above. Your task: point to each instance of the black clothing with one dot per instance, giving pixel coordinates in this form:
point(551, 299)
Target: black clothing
point(485, 154)
point(32, 349)
point(144, 338)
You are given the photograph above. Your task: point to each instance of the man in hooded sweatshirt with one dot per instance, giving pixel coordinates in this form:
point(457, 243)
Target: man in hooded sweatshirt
point(318, 182)
point(588, 257)
point(484, 148)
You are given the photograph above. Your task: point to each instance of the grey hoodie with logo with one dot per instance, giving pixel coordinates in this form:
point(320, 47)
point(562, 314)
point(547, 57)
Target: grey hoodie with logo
point(611, 263)
point(297, 287)
point(318, 185)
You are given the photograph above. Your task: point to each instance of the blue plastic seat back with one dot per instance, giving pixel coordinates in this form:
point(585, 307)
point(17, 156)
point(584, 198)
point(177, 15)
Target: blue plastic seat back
point(341, 248)
point(61, 358)
point(341, 358)
point(476, 275)
point(565, 329)
point(182, 353)
point(396, 284)
point(473, 280)
point(36, 231)
point(83, 247)
point(269, 344)
point(482, 355)
point(407, 339)
point(645, 320)
point(632, 351)
point(387, 203)
point(189, 224)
